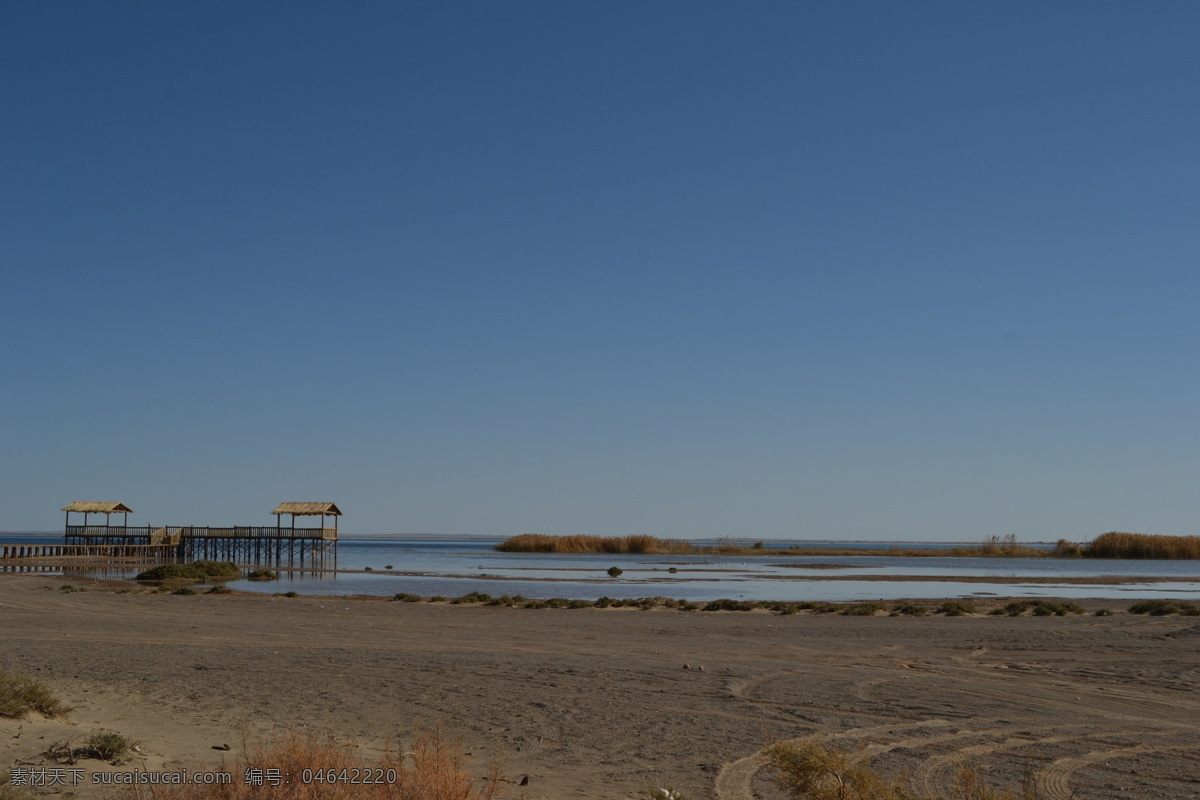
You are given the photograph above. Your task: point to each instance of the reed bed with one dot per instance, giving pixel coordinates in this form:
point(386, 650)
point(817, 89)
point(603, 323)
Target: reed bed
point(1142, 545)
point(1109, 545)
point(612, 545)
point(997, 546)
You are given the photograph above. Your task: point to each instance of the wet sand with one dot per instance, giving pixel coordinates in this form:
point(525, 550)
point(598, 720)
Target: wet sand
point(598, 703)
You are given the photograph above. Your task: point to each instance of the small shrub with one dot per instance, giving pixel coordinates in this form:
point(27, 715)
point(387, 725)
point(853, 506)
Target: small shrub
point(20, 695)
point(807, 770)
point(107, 745)
point(405, 597)
point(184, 590)
point(218, 569)
point(262, 575)
point(197, 570)
point(1103, 612)
point(725, 604)
point(615, 572)
point(368, 569)
point(862, 609)
point(1159, 608)
point(472, 597)
point(389, 566)
point(579, 604)
point(1014, 609)
point(437, 598)
point(291, 594)
point(220, 589)
point(956, 608)
point(910, 610)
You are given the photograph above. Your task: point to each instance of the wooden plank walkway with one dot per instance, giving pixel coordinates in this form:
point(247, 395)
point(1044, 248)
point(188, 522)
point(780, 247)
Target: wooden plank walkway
point(145, 552)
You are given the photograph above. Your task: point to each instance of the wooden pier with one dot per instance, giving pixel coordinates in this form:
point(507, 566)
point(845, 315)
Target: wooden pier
point(249, 545)
point(137, 552)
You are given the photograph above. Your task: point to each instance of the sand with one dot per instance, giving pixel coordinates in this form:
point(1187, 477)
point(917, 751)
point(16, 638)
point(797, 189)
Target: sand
point(608, 703)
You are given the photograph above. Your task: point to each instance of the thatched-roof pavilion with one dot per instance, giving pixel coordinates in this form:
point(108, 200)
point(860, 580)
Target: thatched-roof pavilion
point(105, 507)
point(294, 510)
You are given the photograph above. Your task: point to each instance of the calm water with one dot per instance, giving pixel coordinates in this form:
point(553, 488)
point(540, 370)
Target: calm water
point(452, 567)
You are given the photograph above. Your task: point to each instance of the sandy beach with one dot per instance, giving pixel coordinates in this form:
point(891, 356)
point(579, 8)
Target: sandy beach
point(607, 703)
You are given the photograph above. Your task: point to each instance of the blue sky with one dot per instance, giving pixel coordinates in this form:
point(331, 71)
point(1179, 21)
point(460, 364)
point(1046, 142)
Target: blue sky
point(843, 270)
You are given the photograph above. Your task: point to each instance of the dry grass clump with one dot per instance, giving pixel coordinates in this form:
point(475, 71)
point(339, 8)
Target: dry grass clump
point(613, 545)
point(1142, 545)
point(10, 792)
point(20, 695)
point(807, 770)
point(434, 769)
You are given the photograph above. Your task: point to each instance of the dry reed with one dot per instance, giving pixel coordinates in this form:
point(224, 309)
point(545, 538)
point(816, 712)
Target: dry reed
point(1143, 545)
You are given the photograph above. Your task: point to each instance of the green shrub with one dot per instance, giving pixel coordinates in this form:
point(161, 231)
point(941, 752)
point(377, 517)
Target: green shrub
point(725, 604)
point(197, 570)
point(1159, 608)
point(956, 608)
point(910, 610)
point(184, 590)
point(472, 597)
point(262, 575)
point(291, 594)
point(1103, 612)
point(614, 572)
point(405, 597)
point(862, 609)
point(220, 589)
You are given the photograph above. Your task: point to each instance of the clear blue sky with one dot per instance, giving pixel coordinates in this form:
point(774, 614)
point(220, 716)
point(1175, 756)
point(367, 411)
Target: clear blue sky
point(848, 270)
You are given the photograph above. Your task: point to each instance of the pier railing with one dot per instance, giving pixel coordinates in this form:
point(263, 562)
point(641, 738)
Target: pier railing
point(174, 533)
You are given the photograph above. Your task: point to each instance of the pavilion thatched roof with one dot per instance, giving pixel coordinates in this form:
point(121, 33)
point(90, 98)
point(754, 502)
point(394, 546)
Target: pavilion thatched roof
point(308, 509)
point(98, 507)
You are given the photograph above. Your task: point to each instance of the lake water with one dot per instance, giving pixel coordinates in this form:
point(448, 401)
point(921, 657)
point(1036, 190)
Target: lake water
point(452, 567)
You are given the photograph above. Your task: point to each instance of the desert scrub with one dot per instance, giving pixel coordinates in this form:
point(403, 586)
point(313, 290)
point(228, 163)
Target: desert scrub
point(1159, 608)
point(430, 767)
point(107, 745)
point(220, 589)
point(184, 590)
point(956, 608)
point(862, 609)
point(725, 604)
point(405, 597)
point(20, 695)
point(10, 792)
point(807, 770)
point(472, 597)
point(909, 610)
